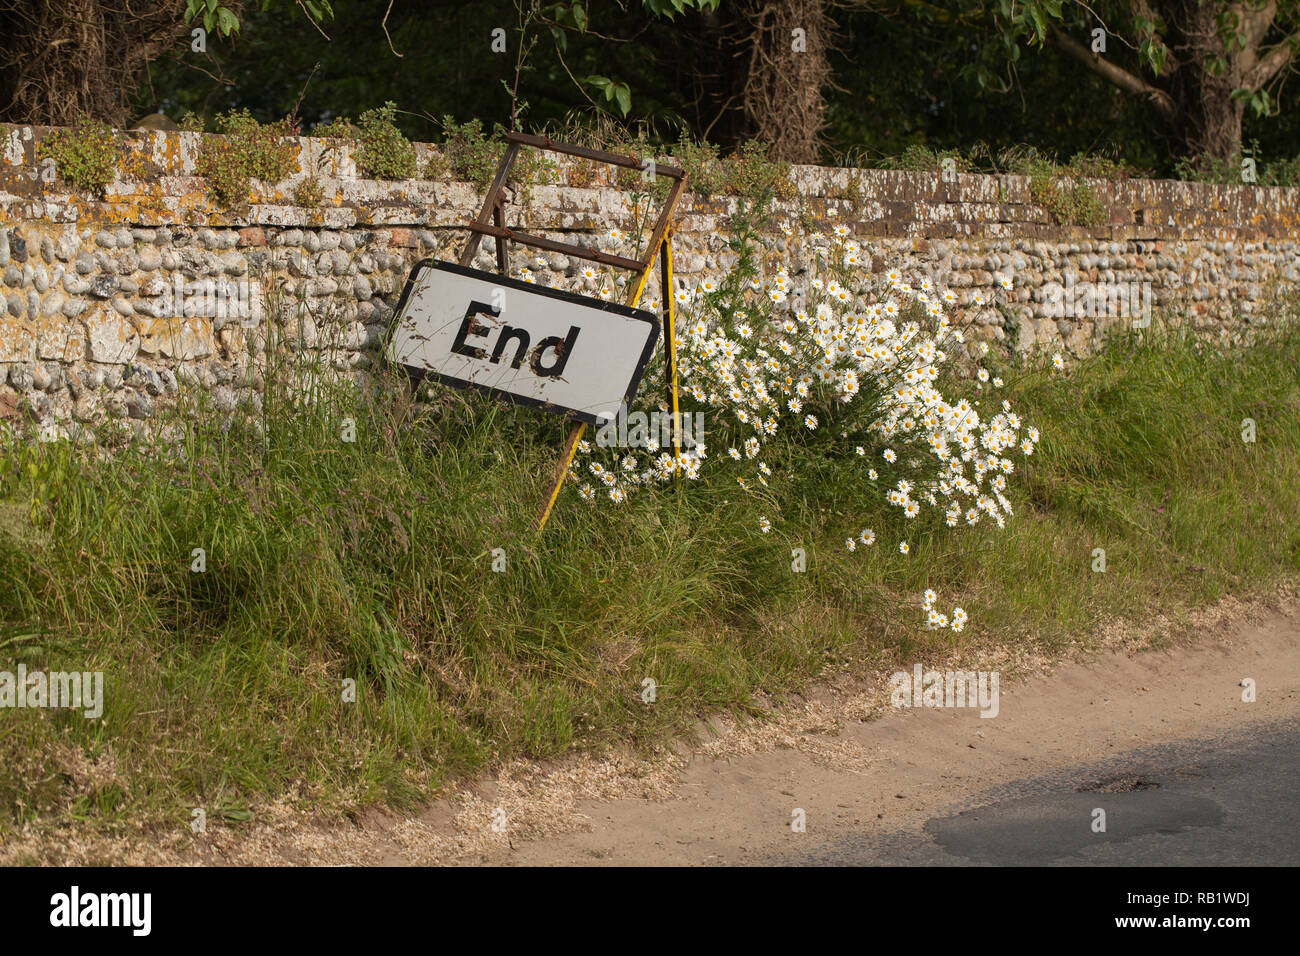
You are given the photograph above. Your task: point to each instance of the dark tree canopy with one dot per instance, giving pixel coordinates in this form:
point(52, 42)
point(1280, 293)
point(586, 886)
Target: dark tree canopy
point(814, 79)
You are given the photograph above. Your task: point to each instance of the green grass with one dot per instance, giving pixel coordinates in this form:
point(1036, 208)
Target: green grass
point(329, 560)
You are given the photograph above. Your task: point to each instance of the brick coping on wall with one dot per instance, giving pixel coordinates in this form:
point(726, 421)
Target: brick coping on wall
point(157, 185)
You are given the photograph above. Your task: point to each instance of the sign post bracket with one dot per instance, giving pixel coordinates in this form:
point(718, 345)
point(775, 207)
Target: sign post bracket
point(491, 222)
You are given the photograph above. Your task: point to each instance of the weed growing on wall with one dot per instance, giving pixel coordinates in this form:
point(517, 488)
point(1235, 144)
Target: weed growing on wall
point(748, 172)
point(436, 165)
point(582, 173)
point(1069, 202)
point(917, 158)
point(700, 160)
point(308, 193)
point(472, 155)
point(1060, 190)
point(532, 168)
point(637, 181)
point(383, 152)
point(340, 127)
point(1246, 168)
point(745, 172)
point(85, 155)
point(248, 150)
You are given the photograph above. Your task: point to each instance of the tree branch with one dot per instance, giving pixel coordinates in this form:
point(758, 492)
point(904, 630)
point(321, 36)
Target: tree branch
point(1115, 75)
point(1271, 62)
point(384, 24)
point(1255, 22)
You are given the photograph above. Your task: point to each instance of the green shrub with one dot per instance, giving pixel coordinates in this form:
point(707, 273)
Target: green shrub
point(923, 159)
point(247, 150)
point(472, 156)
point(384, 153)
point(85, 155)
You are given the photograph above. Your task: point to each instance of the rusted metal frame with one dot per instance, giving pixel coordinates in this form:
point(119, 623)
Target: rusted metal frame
point(493, 208)
point(554, 245)
point(490, 202)
point(498, 217)
point(661, 227)
point(599, 155)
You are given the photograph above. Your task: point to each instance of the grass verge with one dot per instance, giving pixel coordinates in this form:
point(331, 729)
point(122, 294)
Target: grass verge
point(371, 561)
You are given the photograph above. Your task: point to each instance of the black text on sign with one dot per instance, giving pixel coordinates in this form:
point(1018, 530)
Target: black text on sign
point(576, 355)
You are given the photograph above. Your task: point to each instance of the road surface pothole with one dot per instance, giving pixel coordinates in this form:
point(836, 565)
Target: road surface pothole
point(1118, 785)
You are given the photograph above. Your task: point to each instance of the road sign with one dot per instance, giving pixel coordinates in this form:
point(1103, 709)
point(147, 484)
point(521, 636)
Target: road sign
point(577, 356)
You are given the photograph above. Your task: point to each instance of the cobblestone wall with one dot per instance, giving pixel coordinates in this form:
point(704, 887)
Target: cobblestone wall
point(108, 304)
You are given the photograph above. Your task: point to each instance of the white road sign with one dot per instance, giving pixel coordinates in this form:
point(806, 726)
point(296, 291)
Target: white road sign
point(578, 356)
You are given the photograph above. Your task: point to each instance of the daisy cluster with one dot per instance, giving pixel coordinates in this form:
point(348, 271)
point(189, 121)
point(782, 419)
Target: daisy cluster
point(829, 347)
point(936, 620)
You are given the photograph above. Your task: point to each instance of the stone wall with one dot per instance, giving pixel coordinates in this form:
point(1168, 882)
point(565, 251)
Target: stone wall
point(102, 308)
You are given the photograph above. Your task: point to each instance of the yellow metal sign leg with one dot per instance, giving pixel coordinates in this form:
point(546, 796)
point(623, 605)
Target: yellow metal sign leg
point(670, 352)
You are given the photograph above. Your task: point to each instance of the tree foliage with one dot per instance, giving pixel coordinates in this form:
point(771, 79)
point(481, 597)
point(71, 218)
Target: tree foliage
point(1197, 65)
point(1174, 80)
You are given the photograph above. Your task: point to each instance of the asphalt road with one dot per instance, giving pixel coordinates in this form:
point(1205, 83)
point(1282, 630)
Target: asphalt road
point(1224, 800)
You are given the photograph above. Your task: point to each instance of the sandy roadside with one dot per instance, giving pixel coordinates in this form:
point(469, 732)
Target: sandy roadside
point(843, 756)
point(895, 772)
